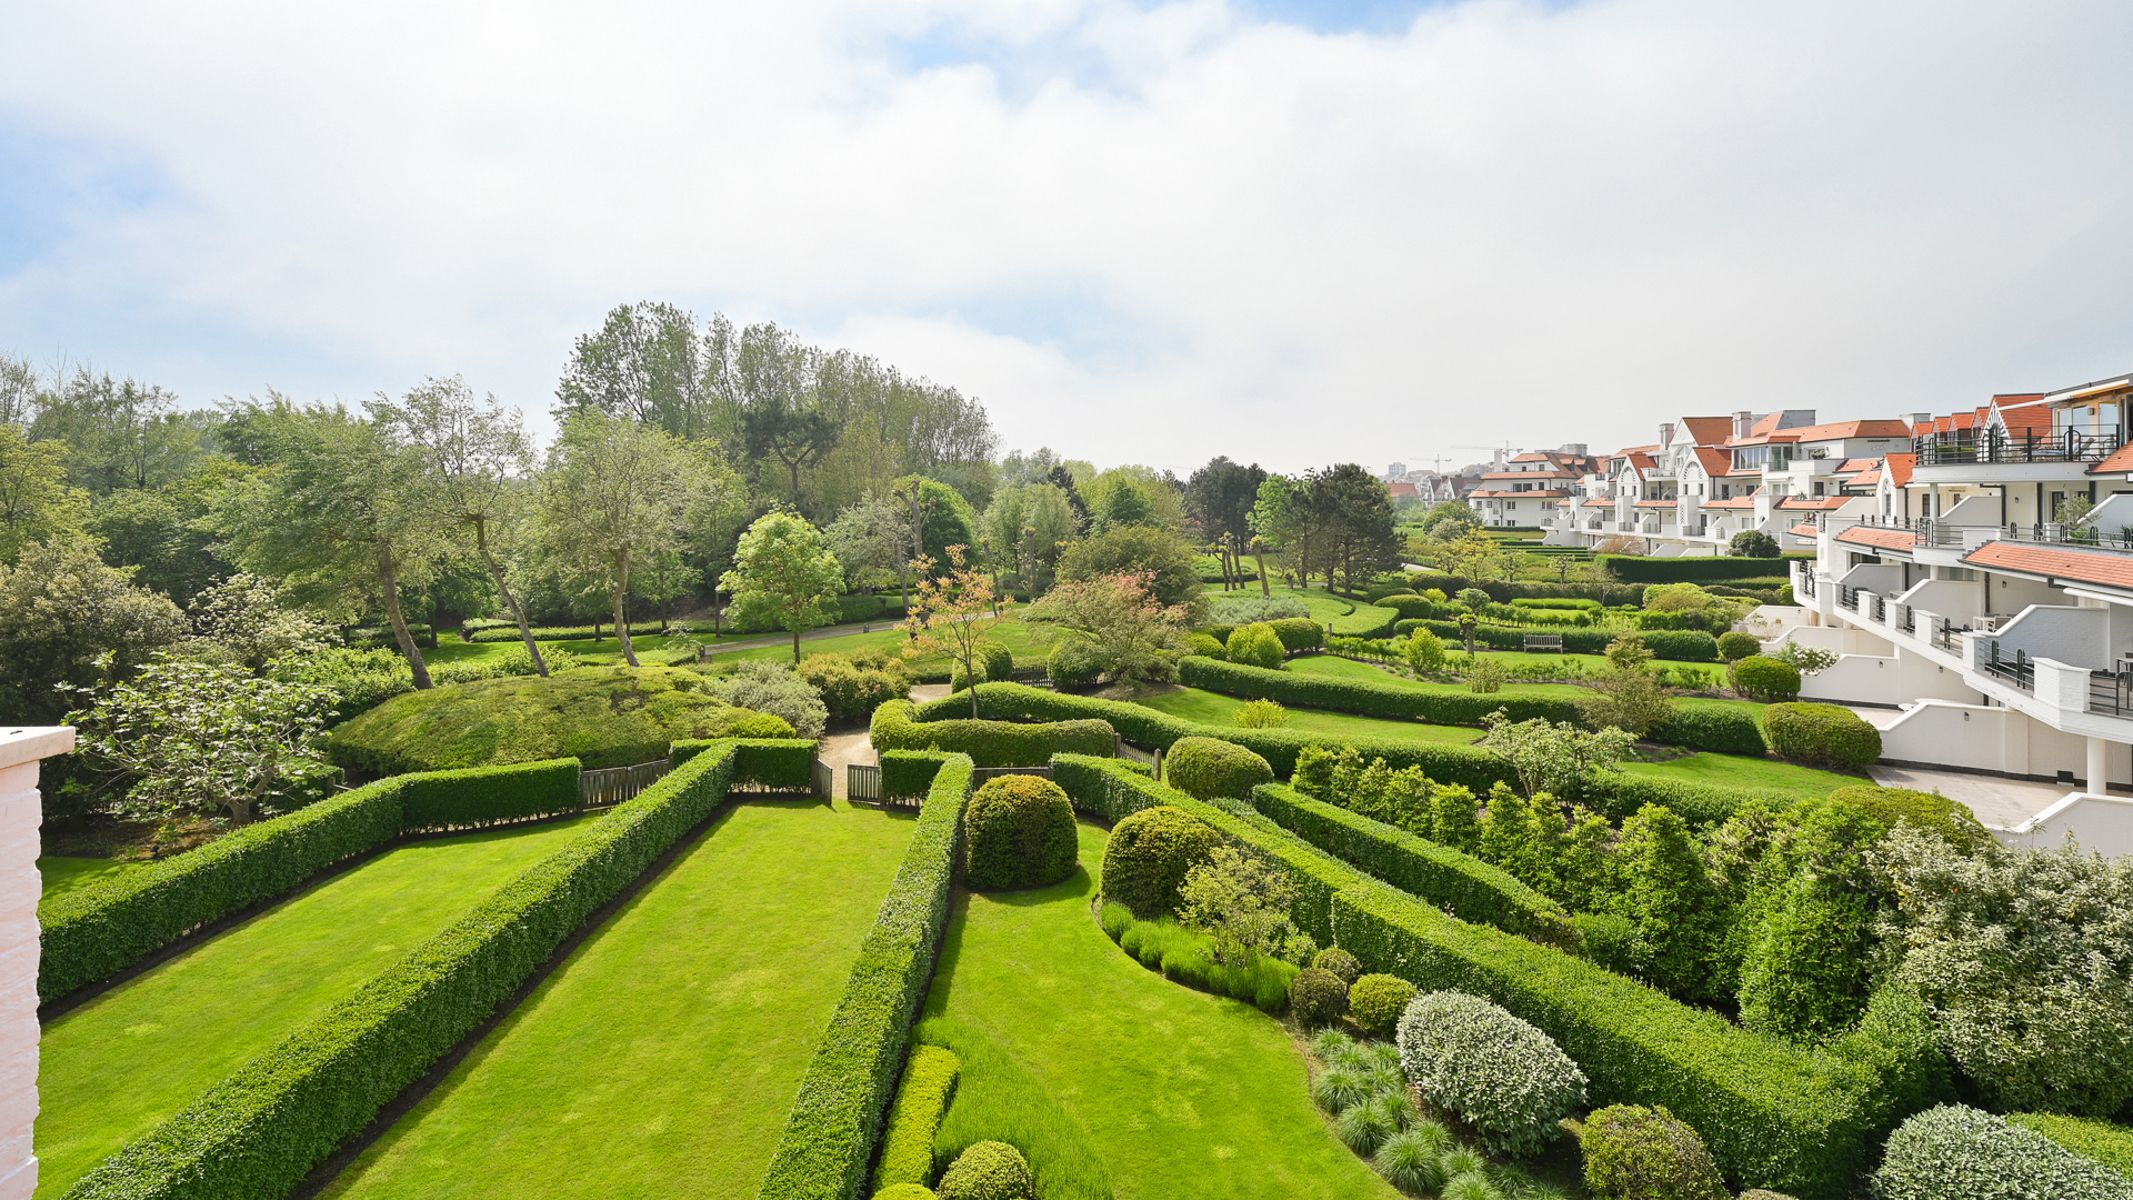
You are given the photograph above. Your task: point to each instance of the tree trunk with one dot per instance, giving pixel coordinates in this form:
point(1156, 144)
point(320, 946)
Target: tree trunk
point(503, 592)
point(622, 623)
point(796, 647)
point(1266, 587)
point(389, 583)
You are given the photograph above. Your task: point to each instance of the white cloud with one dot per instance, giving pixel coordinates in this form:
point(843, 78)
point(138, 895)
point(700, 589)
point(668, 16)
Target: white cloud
point(1511, 220)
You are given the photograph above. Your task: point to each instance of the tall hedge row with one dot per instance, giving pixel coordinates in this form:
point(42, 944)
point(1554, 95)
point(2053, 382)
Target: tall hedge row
point(772, 764)
point(988, 743)
point(1673, 645)
point(94, 933)
point(837, 1116)
point(1638, 568)
point(1463, 885)
point(260, 1131)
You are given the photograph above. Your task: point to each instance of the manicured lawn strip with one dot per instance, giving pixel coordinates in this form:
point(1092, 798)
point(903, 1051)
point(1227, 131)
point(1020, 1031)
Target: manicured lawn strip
point(261, 1130)
point(1176, 1092)
point(661, 1057)
point(114, 1067)
point(837, 1116)
point(64, 874)
point(1214, 708)
point(1764, 775)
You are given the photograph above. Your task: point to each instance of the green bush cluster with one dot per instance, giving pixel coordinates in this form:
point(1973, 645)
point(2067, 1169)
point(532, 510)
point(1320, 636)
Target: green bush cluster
point(1464, 885)
point(1317, 997)
point(1376, 1001)
point(1072, 665)
point(1736, 644)
point(1637, 1153)
point(1255, 646)
point(853, 685)
point(1206, 645)
point(921, 1100)
point(1932, 812)
point(994, 661)
point(986, 1171)
point(260, 1131)
point(95, 932)
point(1760, 677)
point(1148, 854)
point(836, 1117)
point(1504, 1078)
point(1208, 767)
point(1821, 735)
point(1954, 1150)
point(1018, 833)
point(988, 743)
point(1298, 634)
point(1340, 962)
point(2098, 1141)
point(1718, 728)
point(1678, 645)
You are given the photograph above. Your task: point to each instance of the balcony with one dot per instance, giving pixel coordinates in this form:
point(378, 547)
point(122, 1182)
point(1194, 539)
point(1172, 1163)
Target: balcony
point(1998, 448)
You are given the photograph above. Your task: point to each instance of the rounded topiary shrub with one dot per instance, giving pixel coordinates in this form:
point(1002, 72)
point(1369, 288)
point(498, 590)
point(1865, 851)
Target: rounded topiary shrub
point(1206, 645)
point(1317, 996)
point(1737, 645)
point(1821, 735)
point(1340, 962)
point(988, 1171)
point(1957, 1151)
point(1928, 811)
point(1256, 646)
point(998, 660)
point(1072, 665)
point(1760, 677)
point(1375, 1003)
point(1507, 1080)
point(1207, 767)
point(1148, 855)
point(1018, 832)
point(1637, 1153)
point(906, 1191)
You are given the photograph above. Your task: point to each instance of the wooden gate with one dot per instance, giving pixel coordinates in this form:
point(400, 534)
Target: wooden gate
point(613, 785)
point(862, 783)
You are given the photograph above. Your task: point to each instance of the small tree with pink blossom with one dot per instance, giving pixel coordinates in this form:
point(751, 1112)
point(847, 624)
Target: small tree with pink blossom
point(1131, 634)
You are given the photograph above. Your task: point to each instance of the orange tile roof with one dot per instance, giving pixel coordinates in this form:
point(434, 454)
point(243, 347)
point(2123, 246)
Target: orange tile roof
point(1864, 479)
point(1761, 431)
point(1734, 502)
point(1655, 504)
point(1808, 530)
point(1402, 488)
point(1709, 431)
point(2119, 460)
point(1527, 475)
point(2020, 412)
point(1815, 503)
point(1880, 539)
point(1599, 504)
point(1514, 494)
point(1899, 467)
point(1852, 466)
point(2057, 563)
point(1887, 427)
point(1530, 457)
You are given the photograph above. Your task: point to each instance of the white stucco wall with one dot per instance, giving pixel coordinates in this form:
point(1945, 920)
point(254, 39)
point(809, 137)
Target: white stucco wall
point(20, 814)
point(2103, 824)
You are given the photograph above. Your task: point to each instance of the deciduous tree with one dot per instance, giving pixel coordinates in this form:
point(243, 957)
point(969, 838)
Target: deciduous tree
point(1128, 631)
point(950, 612)
point(784, 575)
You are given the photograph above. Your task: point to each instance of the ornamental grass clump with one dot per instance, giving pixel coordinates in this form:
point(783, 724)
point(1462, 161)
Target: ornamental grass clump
point(1413, 1159)
point(1506, 1080)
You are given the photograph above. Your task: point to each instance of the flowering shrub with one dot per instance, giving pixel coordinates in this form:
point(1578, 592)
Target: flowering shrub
point(1506, 1079)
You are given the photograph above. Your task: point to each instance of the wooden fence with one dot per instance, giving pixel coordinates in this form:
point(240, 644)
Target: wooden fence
point(613, 785)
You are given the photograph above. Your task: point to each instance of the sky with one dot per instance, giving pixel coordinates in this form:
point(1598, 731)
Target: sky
point(1291, 231)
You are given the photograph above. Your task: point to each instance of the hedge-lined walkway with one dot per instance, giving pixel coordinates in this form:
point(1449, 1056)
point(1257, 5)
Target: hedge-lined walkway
point(1177, 1093)
point(117, 1065)
point(661, 1058)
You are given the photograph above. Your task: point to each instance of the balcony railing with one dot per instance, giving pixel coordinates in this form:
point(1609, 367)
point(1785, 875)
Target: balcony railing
point(2019, 670)
point(1996, 447)
point(1877, 607)
point(1807, 583)
point(1907, 621)
point(2111, 695)
point(1847, 597)
point(1948, 636)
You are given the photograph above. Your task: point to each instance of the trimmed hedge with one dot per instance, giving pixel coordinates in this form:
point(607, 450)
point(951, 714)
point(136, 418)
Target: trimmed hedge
point(837, 1116)
point(260, 1131)
point(908, 773)
point(1298, 634)
point(1821, 735)
point(1637, 568)
point(988, 743)
point(773, 764)
point(94, 933)
point(1721, 728)
point(1210, 767)
point(1673, 645)
point(921, 1101)
point(1018, 832)
point(1774, 1114)
point(1463, 885)
point(2098, 1141)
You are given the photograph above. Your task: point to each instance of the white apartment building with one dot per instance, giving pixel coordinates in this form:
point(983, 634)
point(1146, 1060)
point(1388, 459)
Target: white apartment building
point(1984, 585)
point(1524, 492)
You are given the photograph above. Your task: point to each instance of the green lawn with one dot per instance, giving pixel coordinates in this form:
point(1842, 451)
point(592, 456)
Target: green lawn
point(1213, 708)
point(114, 1067)
point(1174, 1092)
point(1028, 642)
point(64, 873)
point(1332, 666)
point(1759, 774)
point(661, 1058)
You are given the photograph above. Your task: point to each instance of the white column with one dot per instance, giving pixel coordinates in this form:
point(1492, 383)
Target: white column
point(20, 814)
point(2099, 765)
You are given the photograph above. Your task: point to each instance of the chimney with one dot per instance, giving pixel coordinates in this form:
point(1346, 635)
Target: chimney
point(1742, 420)
point(1666, 433)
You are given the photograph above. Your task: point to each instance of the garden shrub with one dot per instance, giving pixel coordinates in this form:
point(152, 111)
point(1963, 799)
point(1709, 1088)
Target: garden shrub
point(1072, 665)
point(1018, 833)
point(2097, 1141)
point(1464, 885)
point(1205, 645)
point(1362, 698)
point(1187, 956)
point(1637, 1153)
point(1375, 1003)
point(1719, 728)
point(1206, 767)
point(1503, 1077)
point(921, 1100)
point(907, 1191)
point(1606, 939)
point(1670, 901)
point(97, 931)
point(998, 660)
point(1737, 644)
point(1634, 568)
point(1261, 714)
point(1340, 962)
point(1302, 633)
point(988, 1171)
point(830, 1132)
point(1956, 1151)
point(262, 1129)
point(1255, 646)
point(1928, 812)
point(777, 689)
point(988, 743)
point(1821, 735)
point(1317, 997)
point(1149, 853)
point(1760, 677)
point(853, 686)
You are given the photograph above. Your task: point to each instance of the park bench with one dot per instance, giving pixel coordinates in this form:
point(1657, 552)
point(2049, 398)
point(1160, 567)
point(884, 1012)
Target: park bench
point(1544, 641)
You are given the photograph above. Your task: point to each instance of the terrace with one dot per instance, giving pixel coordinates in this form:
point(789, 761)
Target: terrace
point(1997, 447)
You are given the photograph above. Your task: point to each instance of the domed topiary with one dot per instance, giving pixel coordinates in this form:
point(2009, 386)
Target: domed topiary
point(1760, 677)
point(1018, 832)
point(1637, 1153)
point(906, 1191)
point(1207, 767)
point(1956, 1151)
point(1506, 1079)
point(1317, 996)
point(988, 1171)
point(1737, 645)
point(1148, 855)
point(1206, 645)
point(1256, 646)
point(1340, 962)
point(1375, 1003)
point(1072, 665)
point(1821, 735)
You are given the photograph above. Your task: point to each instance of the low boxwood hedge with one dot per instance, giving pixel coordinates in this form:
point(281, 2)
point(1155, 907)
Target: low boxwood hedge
point(837, 1116)
point(91, 934)
point(921, 1101)
point(1463, 885)
point(260, 1131)
point(771, 764)
point(1637, 568)
point(1674, 645)
point(988, 743)
point(1720, 728)
point(1821, 735)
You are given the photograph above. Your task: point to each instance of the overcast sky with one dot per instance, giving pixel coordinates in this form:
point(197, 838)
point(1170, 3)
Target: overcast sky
point(1292, 232)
